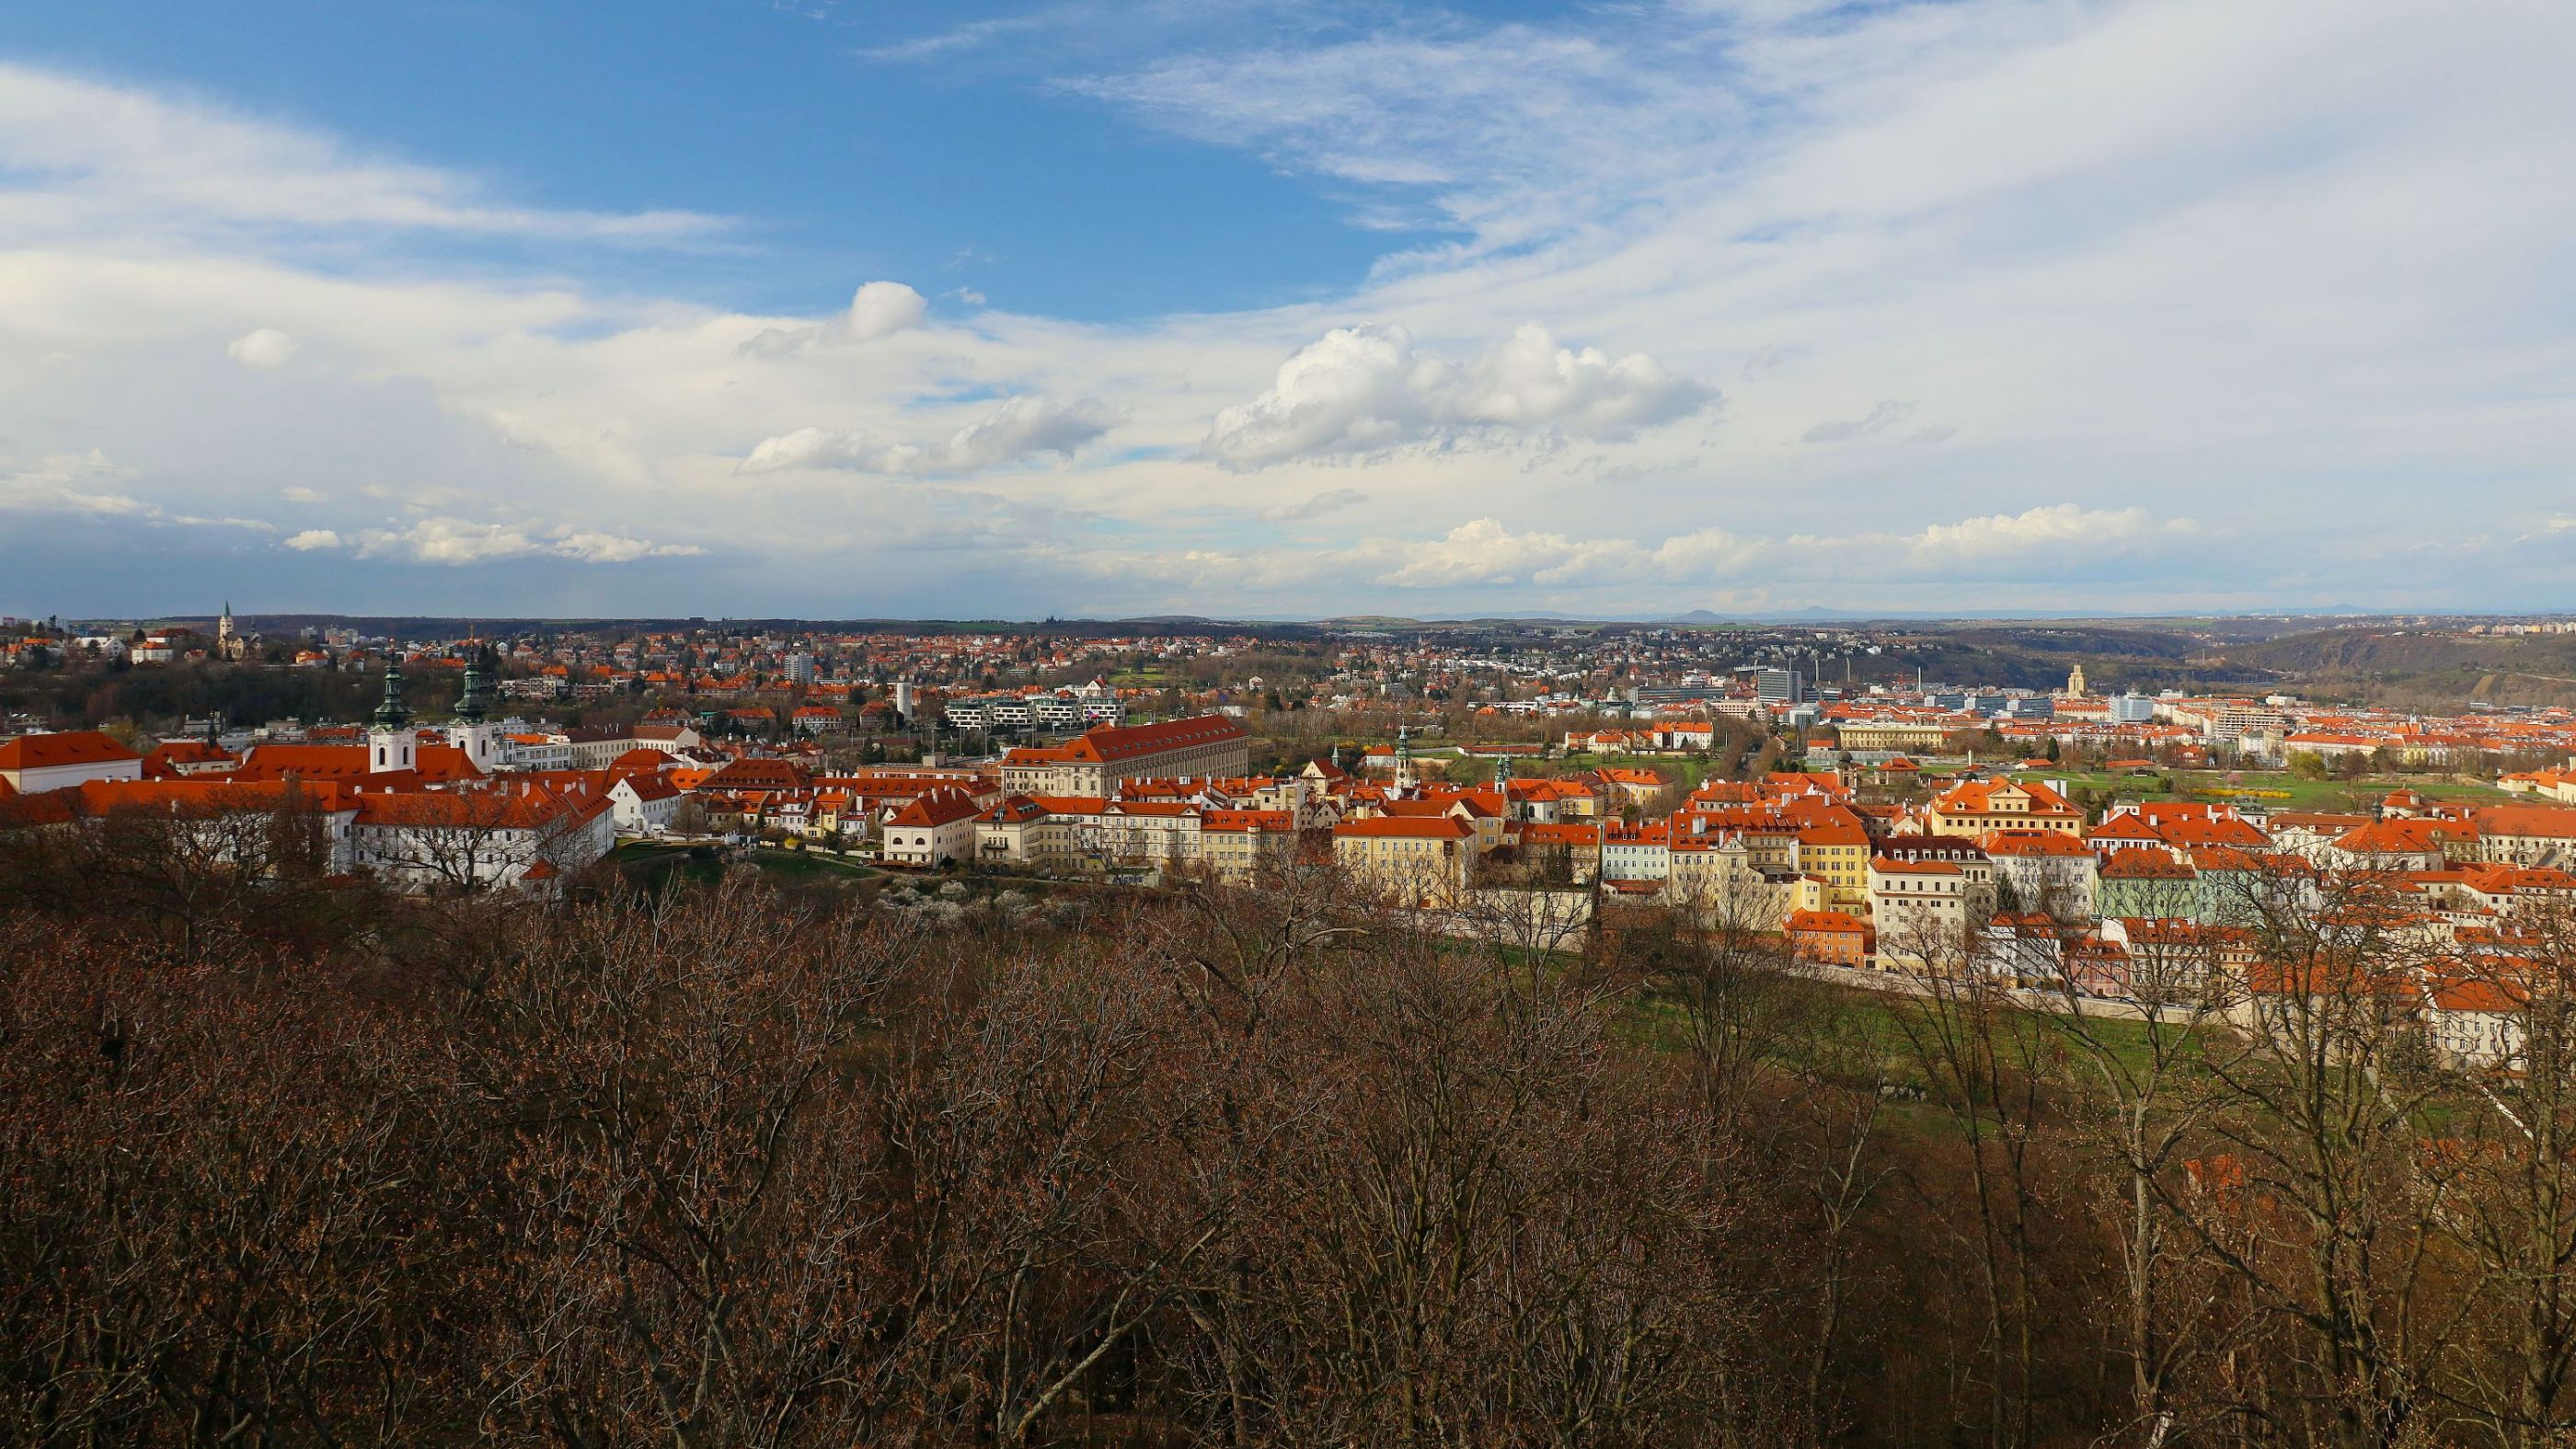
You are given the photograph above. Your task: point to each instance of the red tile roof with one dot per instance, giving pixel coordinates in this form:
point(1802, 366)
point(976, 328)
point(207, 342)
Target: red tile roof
point(943, 805)
point(71, 747)
point(1109, 744)
point(1441, 827)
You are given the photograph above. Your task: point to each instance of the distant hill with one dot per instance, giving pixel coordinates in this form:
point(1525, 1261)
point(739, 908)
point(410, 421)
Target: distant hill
point(2434, 670)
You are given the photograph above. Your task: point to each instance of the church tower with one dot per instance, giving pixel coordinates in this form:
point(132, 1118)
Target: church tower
point(229, 643)
point(1403, 757)
point(2075, 682)
point(477, 736)
point(391, 745)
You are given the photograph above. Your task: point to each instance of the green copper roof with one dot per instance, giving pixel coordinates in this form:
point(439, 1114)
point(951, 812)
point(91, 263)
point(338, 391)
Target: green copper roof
point(391, 714)
point(470, 708)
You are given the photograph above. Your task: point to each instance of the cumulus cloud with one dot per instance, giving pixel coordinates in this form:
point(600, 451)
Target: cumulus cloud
point(303, 495)
point(1017, 428)
point(880, 309)
point(1362, 390)
point(877, 309)
point(266, 347)
point(1330, 500)
point(1886, 415)
point(1483, 551)
point(2057, 527)
point(458, 541)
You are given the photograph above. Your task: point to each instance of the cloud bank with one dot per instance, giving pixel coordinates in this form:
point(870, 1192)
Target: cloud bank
point(1014, 431)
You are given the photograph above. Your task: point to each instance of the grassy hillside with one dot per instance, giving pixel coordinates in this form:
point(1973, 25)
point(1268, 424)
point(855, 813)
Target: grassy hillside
point(2407, 667)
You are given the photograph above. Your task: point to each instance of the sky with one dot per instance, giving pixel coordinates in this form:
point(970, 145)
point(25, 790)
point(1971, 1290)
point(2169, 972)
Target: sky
point(1285, 308)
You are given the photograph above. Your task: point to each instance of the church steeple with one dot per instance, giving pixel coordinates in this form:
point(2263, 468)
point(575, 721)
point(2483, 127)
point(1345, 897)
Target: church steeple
point(391, 714)
point(470, 708)
point(391, 745)
point(472, 732)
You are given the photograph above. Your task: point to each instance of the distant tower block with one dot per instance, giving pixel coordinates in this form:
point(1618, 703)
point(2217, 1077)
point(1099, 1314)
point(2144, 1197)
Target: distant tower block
point(2075, 682)
point(903, 699)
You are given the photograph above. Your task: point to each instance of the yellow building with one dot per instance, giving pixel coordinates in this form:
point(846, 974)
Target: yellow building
point(1892, 734)
point(1236, 844)
point(1418, 860)
point(1982, 805)
point(1836, 853)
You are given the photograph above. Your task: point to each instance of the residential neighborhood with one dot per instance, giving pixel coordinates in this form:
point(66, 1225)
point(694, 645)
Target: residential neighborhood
point(2052, 836)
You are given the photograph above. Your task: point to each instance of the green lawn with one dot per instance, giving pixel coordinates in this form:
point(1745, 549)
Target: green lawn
point(1855, 1034)
point(1690, 769)
point(2293, 792)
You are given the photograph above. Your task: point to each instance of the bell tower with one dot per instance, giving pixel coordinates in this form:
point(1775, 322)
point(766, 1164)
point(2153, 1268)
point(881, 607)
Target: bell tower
point(477, 736)
point(391, 745)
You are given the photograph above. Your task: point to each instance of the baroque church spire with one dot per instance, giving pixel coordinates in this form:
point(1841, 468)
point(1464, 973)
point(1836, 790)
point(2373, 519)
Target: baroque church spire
point(391, 714)
point(470, 708)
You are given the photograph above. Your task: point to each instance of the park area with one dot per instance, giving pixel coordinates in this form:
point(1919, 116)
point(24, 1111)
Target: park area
point(2263, 789)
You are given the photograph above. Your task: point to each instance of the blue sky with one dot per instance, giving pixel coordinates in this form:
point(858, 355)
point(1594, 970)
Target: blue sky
point(1284, 306)
point(803, 123)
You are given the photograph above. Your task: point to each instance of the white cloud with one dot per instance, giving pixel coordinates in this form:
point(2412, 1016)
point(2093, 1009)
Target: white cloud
point(1501, 127)
point(2055, 529)
point(446, 541)
point(89, 159)
point(880, 309)
point(1015, 429)
point(1887, 414)
point(590, 547)
point(970, 36)
point(71, 483)
point(303, 495)
point(1361, 390)
point(266, 347)
point(877, 309)
point(75, 485)
point(1482, 551)
point(456, 542)
point(1331, 500)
